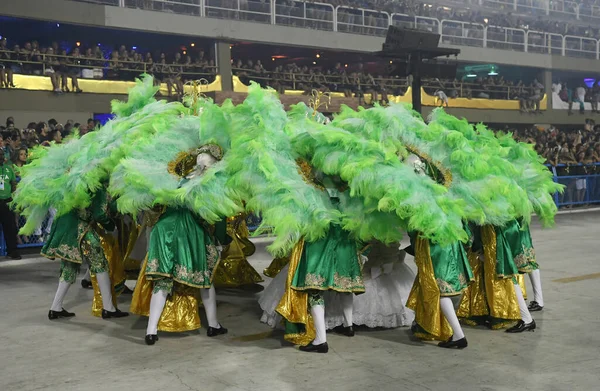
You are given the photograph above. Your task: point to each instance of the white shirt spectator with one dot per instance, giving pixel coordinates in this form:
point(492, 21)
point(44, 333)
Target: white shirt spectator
point(556, 88)
point(580, 94)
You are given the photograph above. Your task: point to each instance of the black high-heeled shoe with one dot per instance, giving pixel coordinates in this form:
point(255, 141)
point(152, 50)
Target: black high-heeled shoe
point(522, 326)
point(311, 348)
point(151, 339)
point(86, 284)
point(52, 315)
point(458, 344)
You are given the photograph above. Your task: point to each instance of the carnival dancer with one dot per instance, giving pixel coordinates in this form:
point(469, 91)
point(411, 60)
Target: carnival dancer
point(526, 263)
point(183, 252)
point(443, 272)
point(75, 238)
point(387, 280)
point(519, 241)
point(492, 299)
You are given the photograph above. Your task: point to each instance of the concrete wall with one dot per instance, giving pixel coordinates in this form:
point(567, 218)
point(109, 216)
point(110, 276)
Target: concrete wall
point(34, 106)
point(124, 18)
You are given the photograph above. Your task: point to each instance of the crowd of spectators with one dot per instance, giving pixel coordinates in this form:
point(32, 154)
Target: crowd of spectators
point(491, 87)
point(355, 81)
point(574, 153)
point(352, 80)
point(60, 65)
point(529, 14)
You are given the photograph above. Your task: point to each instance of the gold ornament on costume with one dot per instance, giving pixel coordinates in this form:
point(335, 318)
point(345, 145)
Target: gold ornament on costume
point(445, 176)
point(185, 162)
point(315, 100)
point(306, 170)
point(196, 86)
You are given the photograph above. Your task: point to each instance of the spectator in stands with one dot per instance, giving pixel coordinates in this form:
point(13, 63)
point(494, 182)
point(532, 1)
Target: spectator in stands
point(91, 124)
point(73, 69)
point(114, 67)
point(578, 98)
point(6, 71)
point(538, 92)
point(7, 216)
point(595, 99)
point(52, 66)
point(42, 132)
point(19, 159)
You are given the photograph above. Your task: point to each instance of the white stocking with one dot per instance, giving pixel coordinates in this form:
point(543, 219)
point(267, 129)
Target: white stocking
point(536, 283)
point(347, 300)
point(318, 314)
point(157, 304)
point(450, 315)
point(59, 297)
point(209, 299)
point(105, 286)
point(525, 315)
point(87, 276)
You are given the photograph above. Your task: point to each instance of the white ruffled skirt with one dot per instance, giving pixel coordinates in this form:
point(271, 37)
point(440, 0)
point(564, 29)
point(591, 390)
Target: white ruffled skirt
point(382, 304)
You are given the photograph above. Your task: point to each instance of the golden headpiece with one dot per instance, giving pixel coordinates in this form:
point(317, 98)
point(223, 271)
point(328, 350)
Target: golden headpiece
point(185, 162)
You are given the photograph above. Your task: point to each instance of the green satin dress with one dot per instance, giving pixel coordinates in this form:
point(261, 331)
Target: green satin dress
point(74, 237)
point(451, 266)
point(506, 239)
point(183, 249)
point(523, 251)
point(63, 241)
point(331, 263)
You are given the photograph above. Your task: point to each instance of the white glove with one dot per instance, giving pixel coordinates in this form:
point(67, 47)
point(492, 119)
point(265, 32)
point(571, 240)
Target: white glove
point(363, 259)
point(481, 257)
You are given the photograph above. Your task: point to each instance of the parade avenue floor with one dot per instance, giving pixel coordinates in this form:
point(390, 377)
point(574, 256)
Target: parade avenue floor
point(87, 353)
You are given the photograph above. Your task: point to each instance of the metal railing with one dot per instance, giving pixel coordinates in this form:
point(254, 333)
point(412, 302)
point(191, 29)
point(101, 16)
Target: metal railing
point(114, 69)
point(323, 16)
point(582, 184)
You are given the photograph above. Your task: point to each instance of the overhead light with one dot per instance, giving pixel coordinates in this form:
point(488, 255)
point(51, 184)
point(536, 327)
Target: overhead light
point(493, 73)
point(78, 43)
point(272, 58)
point(471, 75)
point(485, 20)
point(391, 62)
point(314, 63)
point(57, 24)
point(318, 55)
point(345, 65)
point(134, 47)
point(192, 44)
point(184, 52)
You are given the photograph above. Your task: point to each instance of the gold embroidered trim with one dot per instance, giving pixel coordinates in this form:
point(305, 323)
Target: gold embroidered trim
point(446, 174)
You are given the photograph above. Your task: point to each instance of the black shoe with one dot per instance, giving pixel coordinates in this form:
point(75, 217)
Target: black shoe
point(321, 348)
point(535, 306)
point(450, 344)
point(60, 314)
point(151, 339)
point(14, 255)
point(347, 331)
point(213, 332)
point(86, 284)
point(126, 291)
point(114, 314)
point(522, 326)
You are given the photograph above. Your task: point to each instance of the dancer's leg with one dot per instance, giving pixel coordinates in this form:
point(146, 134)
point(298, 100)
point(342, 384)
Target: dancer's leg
point(450, 315)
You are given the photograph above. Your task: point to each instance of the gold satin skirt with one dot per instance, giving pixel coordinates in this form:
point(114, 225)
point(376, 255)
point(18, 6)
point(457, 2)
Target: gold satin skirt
point(181, 309)
point(425, 296)
point(234, 270)
point(489, 296)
